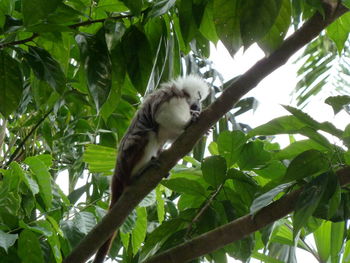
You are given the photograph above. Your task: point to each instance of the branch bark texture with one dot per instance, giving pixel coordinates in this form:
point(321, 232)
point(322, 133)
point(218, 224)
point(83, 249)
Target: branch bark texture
point(154, 174)
point(236, 229)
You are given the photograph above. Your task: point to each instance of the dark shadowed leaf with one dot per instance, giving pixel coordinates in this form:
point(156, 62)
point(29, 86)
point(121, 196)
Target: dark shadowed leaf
point(97, 65)
point(29, 249)
point(138, 58)
point(214, 170)
point(308, 201)
point(338, 102)
point(46, 68)
point(264, 14)
point(36, 10)
point(227, 23)
point(308, 163)
point(11, 84)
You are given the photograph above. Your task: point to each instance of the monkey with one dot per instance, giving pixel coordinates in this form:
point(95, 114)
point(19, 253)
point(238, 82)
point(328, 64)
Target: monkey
point(162, 117)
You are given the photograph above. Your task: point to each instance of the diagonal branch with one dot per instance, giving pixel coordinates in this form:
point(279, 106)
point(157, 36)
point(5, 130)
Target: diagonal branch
point(236, 229)
point(154, 174)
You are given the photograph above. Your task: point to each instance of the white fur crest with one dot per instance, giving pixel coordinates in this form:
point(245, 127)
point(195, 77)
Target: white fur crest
point(193, 85)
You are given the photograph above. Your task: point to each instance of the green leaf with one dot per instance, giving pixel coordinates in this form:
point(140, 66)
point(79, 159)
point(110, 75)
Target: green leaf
point(308, 163)
point(149, 200)
point(308, 201)
point(337, 240)
point(183, 185)
point(139, 232)
point(305, 118)
point(272, 40)
point(338, 102)
point(6, 8)
point(274, 170)
point(264, 14)
point(11, 84)
point(42, 177)
point(226, 15)
point(36, 10)
point(346, 3)
point(7, 240)
point(280, 125)
point(322, 237)
point(46, 68)
point(297, 148)
point(134, 5)
point(253, 155)
point(338, 31)
point(129, 223)
point(29, 249)
point(207, 26)
point(266, 198)
point(84, 221)
point(97, 65)
point(160, 204)
point(214, 170)
point(230, 145)
point(101, 159)
point(138, 57)
point(160, 8)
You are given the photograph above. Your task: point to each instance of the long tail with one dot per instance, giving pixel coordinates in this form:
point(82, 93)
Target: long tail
point(117, 189)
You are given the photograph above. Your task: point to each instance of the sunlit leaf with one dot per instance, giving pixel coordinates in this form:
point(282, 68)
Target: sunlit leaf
point(7, 240)
point(29, 249)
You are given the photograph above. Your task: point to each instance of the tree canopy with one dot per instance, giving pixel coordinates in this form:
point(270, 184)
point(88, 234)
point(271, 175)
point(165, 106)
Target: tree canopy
point(72, 75)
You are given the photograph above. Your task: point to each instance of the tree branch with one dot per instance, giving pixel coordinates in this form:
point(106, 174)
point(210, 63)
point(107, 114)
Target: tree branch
point(167, 159)
point(236, 229)
point(74, 26)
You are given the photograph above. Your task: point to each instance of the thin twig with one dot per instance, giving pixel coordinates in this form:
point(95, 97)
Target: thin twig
point(19, 147)
point(202, 210)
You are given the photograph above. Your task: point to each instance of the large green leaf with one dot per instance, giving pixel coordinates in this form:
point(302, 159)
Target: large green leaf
point(35, 11)
point(277, 32)
point(308, 163)
point(101, 159)
point(84, 221)
point(253, 155)
point(6, 8)
point(226, 15)
point(183, 185)
point(140, 229)
point(138, 57)
point(46, 68)
point(266, 198)
point(11, 84)
point(257, 17)
point(134, 5)
point(42, 177)
point(338, 31)
point(230, 145)
point(7, 240)
point(29, 249)
point(97, 65)
point(160, 7)
point(214, 170)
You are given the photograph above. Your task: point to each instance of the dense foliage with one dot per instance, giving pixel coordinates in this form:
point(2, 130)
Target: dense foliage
point(72, 74)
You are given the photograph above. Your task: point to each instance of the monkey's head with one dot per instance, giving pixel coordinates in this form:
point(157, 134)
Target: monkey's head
point(196, 89)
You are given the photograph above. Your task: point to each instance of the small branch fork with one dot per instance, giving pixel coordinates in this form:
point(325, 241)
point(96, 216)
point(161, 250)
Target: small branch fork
point(168, 158)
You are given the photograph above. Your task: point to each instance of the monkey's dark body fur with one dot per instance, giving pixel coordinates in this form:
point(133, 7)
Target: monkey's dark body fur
point(146, 136)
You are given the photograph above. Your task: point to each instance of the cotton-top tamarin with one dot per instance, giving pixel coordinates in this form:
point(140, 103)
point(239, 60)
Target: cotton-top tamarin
point(162, 117)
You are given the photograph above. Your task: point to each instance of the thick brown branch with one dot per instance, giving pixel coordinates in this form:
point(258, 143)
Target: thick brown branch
point(153, 175)
point(236, 229)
